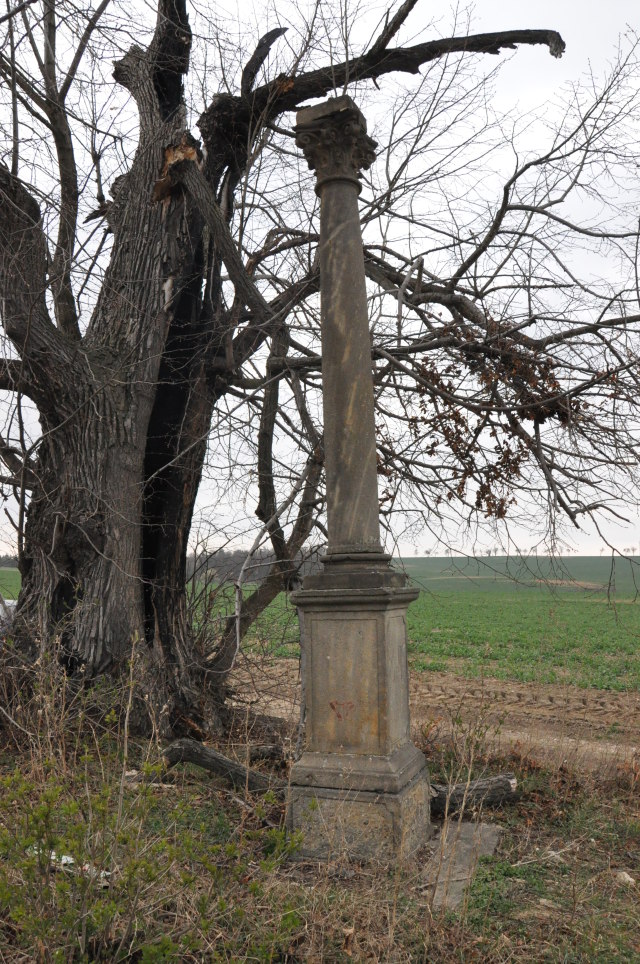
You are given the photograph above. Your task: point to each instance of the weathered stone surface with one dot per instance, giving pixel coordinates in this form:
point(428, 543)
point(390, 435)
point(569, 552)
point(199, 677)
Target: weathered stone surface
point(360, 787)
point(360, 824)
point(357, 690)
point(457, 851)
point(333, 136)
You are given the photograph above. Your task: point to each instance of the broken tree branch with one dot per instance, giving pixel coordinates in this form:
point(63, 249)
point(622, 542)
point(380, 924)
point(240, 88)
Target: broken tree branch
point(286, 93)
point(189, 751)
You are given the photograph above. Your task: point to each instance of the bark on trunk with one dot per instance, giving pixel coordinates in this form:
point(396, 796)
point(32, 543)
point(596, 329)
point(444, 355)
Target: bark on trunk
point(81, 563)
point(104, 565)
point(117, 473)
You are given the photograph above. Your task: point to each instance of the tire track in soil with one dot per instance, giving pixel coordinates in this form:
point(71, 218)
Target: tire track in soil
point(581, 728)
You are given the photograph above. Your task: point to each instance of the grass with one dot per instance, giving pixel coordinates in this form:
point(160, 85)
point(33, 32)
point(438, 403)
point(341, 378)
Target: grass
point(530, 635)
point(572, 620)
point(550, 629)
point(566, 883)
point(198, 874)
point(9, 583)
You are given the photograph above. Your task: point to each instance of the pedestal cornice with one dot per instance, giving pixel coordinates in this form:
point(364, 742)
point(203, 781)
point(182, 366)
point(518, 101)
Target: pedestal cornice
point(373, 597)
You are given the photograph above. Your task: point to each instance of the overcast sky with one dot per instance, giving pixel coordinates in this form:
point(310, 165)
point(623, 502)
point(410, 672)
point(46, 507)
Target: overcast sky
point(591, 31)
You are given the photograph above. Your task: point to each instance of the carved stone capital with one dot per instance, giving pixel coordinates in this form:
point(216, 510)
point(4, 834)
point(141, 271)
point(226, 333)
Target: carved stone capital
point(333, 137)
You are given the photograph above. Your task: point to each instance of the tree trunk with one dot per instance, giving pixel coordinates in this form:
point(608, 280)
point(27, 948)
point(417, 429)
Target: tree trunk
point(80, 567)
point(104, 564)
point(117, 474)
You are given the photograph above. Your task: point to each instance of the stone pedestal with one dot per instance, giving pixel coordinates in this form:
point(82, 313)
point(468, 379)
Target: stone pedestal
point(361, 787)
point(362, 825)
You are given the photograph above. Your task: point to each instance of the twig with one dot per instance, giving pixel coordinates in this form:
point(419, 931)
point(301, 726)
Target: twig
point(17, 725)
point(18, 9)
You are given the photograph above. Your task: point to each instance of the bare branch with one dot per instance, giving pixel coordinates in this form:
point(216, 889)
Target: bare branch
point(189, 175)
point(13, 376)
point(81, 48)
point(285, 93)
point(15, 130)
point(257, 59)
point(23, 267)
point(15, 10)
point(23, 472)
point(391, 27)
point(165, 62)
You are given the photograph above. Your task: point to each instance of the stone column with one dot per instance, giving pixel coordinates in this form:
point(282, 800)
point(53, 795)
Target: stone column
point(334, 140)
point(361, 786)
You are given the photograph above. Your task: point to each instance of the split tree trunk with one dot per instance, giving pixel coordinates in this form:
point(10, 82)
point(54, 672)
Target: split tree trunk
point(104, 560)
point(126, 407)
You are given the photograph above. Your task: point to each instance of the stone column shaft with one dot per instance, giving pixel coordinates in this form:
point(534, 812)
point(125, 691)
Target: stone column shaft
point(349, 423)
point(334, 139)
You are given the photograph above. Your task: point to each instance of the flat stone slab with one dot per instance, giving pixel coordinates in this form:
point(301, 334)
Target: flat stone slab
point(456, 852)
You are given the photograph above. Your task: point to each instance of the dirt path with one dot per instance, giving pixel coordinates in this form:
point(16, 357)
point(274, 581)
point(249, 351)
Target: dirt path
point(583, 728)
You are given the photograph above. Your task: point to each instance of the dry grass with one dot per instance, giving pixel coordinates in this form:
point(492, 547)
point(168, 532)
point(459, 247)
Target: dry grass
point(199, 873)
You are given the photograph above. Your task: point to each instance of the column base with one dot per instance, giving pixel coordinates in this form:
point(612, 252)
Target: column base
point(355, 771)
point(360, 824)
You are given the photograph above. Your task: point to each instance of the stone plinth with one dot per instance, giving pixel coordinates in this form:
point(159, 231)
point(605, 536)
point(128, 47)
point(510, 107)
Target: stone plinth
point(361, 824)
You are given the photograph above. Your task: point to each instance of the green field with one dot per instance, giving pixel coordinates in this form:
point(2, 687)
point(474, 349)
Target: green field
point(528, 636)
point(581, 575)
point(9, 583)
point(571, 621)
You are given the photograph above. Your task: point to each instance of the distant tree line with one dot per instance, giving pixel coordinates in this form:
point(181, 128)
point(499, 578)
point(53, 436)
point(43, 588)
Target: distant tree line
point(8, 562)
point(225, 565)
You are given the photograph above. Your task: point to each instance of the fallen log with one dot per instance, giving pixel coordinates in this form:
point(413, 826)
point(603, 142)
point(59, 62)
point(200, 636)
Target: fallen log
point(190, 751)
point(486, 792)
point(266, 751)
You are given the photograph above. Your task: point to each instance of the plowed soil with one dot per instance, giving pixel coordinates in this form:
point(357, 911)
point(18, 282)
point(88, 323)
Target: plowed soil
point(559, 724)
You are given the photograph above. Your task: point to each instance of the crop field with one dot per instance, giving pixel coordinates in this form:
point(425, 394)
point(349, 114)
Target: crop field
point(573, 621)
point(563, 621)
point(9, 583)
point(582, 575)
point(528, 636)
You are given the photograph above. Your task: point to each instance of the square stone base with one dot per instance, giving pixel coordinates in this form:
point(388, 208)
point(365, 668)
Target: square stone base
point(361, 824)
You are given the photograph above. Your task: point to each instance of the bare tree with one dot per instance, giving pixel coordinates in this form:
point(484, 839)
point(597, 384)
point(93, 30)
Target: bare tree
point(185, 304)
